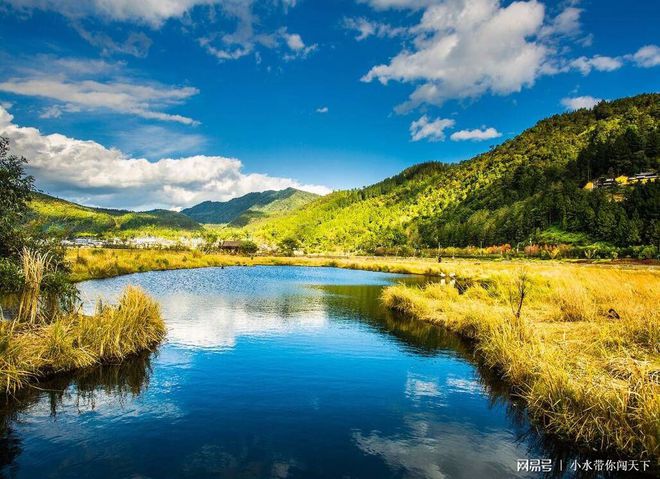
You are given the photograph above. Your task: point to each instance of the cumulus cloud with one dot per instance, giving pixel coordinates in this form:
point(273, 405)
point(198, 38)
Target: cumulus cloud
point(476, 134)
point(296, 45)
point(597, 62)
point(431, 130)
point(88, 172)
point(323, 109)
point(578, 102)
point(464, 49)
point(647, 56)
point(468, 48)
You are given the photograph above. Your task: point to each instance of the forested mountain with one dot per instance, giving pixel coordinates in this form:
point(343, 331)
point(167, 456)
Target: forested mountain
point(62, 218)
point(253, 206)
point(515, 193)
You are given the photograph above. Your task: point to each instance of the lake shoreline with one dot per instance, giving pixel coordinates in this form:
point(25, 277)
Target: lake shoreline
point(100, 263)
point(565, 417)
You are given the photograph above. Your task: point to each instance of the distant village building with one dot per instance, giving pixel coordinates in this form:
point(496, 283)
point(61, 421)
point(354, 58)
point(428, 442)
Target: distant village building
point(231, 246)
point(602, 182)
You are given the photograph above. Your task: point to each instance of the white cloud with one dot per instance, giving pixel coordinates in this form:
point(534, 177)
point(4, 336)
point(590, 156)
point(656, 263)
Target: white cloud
point(296, 44)
point(464, 49)
point(476, 134)
point(121, 97)
point(468, 48)
point(88, 172)
point(433, 130)
point(61, 81)
point(647, 56)
point(367, 28)
point(150, 12)
point(578, 102)
point(323, 109)
point(597, 62)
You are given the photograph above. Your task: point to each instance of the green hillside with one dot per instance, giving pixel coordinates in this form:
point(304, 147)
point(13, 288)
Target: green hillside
point(249, 208)
point(65, 219)
point(529, 186)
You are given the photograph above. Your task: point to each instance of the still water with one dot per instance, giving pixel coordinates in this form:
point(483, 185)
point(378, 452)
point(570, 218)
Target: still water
point(271, 372)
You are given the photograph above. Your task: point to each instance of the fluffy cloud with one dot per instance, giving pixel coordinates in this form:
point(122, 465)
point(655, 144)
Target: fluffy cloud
point(297, 47)
point(647, 56)
point(323, 109)
point(578, 102)
point(597, 62)
point(88, 172)
point(61, 81)
point(432, 130)
point(468, 48)
point(476, 134)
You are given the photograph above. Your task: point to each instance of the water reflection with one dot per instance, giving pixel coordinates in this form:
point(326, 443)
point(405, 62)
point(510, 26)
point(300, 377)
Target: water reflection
point(275, 372)
point(82, 391)
point(217, 321)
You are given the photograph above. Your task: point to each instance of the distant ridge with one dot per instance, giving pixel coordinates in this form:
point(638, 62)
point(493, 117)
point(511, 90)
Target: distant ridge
point(249, 208)
point(64, 218)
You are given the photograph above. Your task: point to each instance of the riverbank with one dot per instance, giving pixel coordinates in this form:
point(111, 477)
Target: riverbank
point(29, 352)
point(98, 263)
point(581, 346)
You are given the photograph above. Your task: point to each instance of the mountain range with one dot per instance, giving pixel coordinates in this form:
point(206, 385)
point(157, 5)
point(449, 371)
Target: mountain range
point(251, 207)
point(546, 183)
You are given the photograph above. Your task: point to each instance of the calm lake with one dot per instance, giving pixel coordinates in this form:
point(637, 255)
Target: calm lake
point(273, 372)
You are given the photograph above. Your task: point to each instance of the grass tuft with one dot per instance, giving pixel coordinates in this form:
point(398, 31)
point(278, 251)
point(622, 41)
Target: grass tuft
point(71, 341)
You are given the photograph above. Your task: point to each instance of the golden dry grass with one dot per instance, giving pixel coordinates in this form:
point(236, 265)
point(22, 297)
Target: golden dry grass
point(70, 341)
point(585, 353)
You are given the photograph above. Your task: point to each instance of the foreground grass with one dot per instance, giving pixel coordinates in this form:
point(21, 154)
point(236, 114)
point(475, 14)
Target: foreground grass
point(584, 352)
point(72, 341)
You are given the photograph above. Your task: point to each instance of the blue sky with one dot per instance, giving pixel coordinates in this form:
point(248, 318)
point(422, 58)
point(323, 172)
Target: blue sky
point(167, 103)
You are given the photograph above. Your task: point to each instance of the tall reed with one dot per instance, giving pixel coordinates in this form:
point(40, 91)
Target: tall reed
point(71, 341)
point(35, 265)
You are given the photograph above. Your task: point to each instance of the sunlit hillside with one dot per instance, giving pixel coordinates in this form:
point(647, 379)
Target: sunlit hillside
point(65, 219)
point(529, 186)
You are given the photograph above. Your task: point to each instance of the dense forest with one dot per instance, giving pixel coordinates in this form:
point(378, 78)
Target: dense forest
point(538, 182)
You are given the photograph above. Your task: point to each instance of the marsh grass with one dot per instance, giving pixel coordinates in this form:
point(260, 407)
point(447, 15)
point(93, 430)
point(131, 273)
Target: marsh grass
point(71, 341)
point(583, 352)
point(34, 266)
